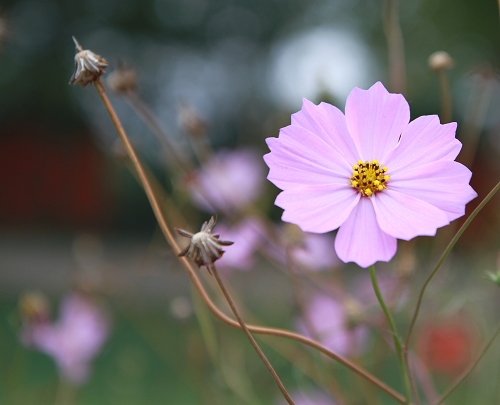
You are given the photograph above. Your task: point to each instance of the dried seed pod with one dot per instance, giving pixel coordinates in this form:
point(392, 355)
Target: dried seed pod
point(88, 66)
point(204, 247)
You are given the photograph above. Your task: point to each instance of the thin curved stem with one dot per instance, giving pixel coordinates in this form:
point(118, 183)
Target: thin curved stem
point(250, 337)
point(397, 341)
point(444, 256)
point(197, 282)
point(471, 368)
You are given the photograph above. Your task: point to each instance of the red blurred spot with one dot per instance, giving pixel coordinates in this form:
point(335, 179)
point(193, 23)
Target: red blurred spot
point(446, 348)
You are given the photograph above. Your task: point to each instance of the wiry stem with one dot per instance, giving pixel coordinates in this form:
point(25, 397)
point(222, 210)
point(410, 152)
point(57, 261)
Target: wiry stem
point(471, 368)
point(198, 284)
point(395, 47)
point(445, 93)
point(397, 340)
point(250, 337)
point(444, 256)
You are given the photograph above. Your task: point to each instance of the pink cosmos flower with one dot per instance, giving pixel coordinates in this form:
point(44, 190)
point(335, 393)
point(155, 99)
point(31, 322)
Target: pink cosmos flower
point(246, 237)
point(326, 319)
point(74, 340)
point(371, 172)
point(316, 252)
point(230, 180)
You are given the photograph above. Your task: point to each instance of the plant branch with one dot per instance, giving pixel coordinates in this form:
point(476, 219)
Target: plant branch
point(198, 284)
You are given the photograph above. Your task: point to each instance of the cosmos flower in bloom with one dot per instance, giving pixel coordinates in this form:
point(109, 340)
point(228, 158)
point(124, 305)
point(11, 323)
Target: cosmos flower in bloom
point(74, 340)
point(371, 172)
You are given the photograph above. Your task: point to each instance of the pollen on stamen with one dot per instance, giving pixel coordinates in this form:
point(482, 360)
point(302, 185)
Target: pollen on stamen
point(369, 177)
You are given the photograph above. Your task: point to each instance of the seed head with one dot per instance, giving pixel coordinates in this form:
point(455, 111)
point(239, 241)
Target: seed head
point(205, 247)
point(190, 121)
point(440, 60)
point(88, 66)
point(122, 80)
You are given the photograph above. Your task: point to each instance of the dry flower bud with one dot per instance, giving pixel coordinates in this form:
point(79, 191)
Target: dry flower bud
point(122, 80)
point(33, 306)
point(440, 60)
point(205, 247)
point(88, 66)
point(190, 121)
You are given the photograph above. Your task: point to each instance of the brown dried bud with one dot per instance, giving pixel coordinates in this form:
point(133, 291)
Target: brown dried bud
point(122, 80)
point(189, 120)
point(33, 306)
point(205, 247)
point(88, 66)
point(440, 60)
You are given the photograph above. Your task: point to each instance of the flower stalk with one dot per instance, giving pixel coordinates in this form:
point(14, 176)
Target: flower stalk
point(250, 337)
point(397, 340)
point(197, 282)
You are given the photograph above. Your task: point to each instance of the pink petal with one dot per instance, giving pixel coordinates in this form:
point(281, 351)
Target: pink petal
point(423, 141)
point(442, 184)
point(317, 209)
point(375, 119)
point(298, 157)
point(405, 217)
point(360, 239)
point(327, 122)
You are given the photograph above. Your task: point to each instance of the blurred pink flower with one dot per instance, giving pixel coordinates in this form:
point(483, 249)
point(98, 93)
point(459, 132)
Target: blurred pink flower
point(309, 398)
point(372, 173)
point(229, 181)
point(328, 320)
point(316, 252)
point(246, 235)
point(75, 339)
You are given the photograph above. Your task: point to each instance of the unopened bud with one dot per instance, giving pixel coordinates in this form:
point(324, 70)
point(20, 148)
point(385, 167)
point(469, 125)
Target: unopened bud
point(122, 80)
point(88, 66)
point(33, 306)
point(190, 121)
point(440, 60)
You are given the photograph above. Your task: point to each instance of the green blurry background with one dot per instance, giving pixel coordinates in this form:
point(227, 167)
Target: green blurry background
point(71, 214)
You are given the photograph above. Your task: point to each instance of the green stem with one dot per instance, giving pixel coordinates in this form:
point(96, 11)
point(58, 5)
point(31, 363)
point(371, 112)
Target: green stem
point(397, 341)
point(445, 255)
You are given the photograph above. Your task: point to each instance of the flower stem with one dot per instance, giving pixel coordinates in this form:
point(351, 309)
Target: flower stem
point(444, 256)
point(471, 368)
point(445, 93)
point(250, 337)
point(397, 341)
point(199, 285)
point(395, 47)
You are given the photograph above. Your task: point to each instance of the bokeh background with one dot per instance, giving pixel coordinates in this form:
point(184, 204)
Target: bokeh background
point(72, 216)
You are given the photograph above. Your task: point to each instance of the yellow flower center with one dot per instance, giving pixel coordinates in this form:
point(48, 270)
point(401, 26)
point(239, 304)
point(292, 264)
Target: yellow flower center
point(369, 177)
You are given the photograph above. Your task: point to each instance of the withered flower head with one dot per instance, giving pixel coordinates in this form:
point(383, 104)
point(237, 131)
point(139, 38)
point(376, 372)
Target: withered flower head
point(33, 307)
point(190, 121)
point(88, 66)
point(205, 247)
point(122, 80)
